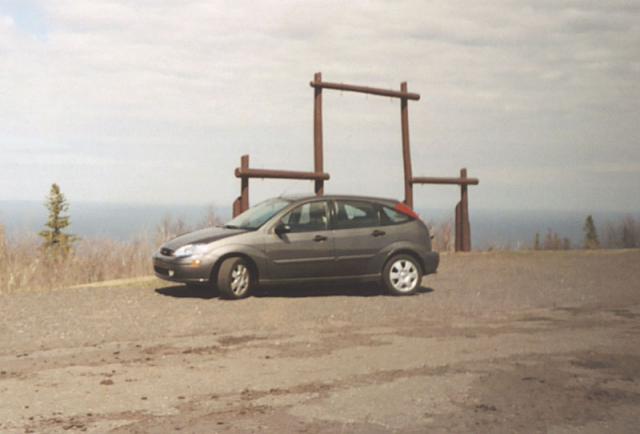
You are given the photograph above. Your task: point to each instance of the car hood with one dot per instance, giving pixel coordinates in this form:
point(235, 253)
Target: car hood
point(203, 236)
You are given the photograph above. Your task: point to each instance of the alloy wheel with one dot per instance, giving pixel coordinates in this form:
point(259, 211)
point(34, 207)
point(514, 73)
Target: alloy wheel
point(239, 279)
point(403, 275)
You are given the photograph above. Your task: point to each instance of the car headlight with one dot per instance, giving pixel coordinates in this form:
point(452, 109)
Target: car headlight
point(190, 250)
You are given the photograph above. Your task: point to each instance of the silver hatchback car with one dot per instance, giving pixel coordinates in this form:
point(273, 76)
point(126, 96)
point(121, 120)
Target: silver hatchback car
point(314, 238)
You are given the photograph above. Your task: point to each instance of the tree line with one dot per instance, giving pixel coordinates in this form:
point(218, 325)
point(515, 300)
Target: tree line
point(623, 234)
point(58, 244)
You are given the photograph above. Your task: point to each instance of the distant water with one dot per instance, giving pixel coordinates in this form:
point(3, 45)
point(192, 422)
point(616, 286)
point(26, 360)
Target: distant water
point(498, 228)
point(103, 220)
point(517, 229)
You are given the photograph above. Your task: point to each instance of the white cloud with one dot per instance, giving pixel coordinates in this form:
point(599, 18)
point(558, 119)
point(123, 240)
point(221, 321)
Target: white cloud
point(509, 84)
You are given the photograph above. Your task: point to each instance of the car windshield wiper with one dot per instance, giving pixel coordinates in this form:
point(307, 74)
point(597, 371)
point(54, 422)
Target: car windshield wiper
point(231, 227)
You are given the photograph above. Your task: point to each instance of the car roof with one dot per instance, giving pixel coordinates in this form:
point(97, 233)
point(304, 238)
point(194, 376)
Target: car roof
point(304, 197)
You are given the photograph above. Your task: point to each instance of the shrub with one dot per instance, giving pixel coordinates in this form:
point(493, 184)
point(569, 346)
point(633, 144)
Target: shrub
point(623, 234)
point(590, 235)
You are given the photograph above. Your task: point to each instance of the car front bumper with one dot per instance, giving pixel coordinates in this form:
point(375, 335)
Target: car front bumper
point(184, 270)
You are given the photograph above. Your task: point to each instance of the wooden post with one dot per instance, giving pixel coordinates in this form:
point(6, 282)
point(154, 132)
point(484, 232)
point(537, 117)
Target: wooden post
point(244, 185)
point(406, 149)
point(318, 163)
point(462, 224)
point(465, 244)
point(458, 228)
point(236, 207)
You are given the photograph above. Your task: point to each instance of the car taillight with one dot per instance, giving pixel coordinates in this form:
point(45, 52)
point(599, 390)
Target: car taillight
point(406, 210)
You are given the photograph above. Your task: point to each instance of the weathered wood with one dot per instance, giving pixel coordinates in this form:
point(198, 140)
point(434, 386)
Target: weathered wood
point(318, 160)
point(458, 228)
point(442, 180)
point(462, 224)
point(244, 185)
point(236, 207)
point(465, 244)
point(365, 89)
point(279, 174)
point(406, 148)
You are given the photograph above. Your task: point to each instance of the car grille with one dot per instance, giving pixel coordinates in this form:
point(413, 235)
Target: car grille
point(161, 270)
point(166, 252)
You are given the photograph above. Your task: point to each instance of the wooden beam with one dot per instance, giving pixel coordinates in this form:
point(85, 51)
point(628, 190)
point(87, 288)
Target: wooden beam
point(364, 89)
point(279, 174)
point(439, 180)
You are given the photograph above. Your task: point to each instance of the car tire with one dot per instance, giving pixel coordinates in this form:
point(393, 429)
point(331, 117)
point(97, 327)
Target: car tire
point(402, 275)
point(235, 279)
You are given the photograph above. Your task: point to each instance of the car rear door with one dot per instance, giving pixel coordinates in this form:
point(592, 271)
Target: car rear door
point(359, 236)
point(307, 250)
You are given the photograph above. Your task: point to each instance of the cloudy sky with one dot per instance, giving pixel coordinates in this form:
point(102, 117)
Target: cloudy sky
point(155, 101)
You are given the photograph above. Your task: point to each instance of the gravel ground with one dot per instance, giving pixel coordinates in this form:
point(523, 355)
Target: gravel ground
point(496, 342)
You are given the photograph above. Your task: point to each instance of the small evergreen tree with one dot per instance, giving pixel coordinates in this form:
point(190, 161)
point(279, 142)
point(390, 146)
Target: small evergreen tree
point(536, 242)
point(55, 240)
point(590, 234)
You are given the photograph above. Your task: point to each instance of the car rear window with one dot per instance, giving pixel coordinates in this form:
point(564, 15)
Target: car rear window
point(389, 216)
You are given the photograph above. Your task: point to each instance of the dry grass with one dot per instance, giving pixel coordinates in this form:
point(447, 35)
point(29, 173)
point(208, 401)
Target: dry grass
point(443, 236)
point(25, 266)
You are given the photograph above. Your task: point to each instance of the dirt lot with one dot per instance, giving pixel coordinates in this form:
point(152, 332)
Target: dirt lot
point(496, 342)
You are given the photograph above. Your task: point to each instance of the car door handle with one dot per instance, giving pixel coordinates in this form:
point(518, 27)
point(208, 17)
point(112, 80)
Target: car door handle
point(378, 233)
point(319, 238)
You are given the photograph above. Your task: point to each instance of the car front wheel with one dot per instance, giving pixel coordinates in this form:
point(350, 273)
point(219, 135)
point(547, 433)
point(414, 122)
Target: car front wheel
point(402, 275)
point(235, 279)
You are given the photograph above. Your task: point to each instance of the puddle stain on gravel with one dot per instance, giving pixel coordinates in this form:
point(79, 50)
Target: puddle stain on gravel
point(82, 423)
point(540, 393)
point(537, 319)
point(625, 313)
point(517, 386)
point(237, 340)
point(591, 364)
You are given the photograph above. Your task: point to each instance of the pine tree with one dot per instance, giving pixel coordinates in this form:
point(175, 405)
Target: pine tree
point(536, 242)
point(55, 240)
point(590, 234)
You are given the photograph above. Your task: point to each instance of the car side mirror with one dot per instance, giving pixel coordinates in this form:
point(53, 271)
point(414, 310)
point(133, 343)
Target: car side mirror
point(282, 228)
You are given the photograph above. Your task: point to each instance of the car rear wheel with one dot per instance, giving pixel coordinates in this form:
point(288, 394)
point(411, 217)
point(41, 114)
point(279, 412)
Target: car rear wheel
point(235, 279)
point(402, 275)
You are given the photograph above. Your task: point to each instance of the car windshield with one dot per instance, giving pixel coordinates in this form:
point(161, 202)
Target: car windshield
point(258, 215)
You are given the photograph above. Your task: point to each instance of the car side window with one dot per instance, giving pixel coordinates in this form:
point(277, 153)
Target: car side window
point(355, 214)
point(311, 216)
point(389, 216)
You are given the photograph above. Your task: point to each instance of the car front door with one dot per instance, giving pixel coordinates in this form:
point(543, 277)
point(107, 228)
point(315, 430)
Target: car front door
point(359, 237)
point(305, 247)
